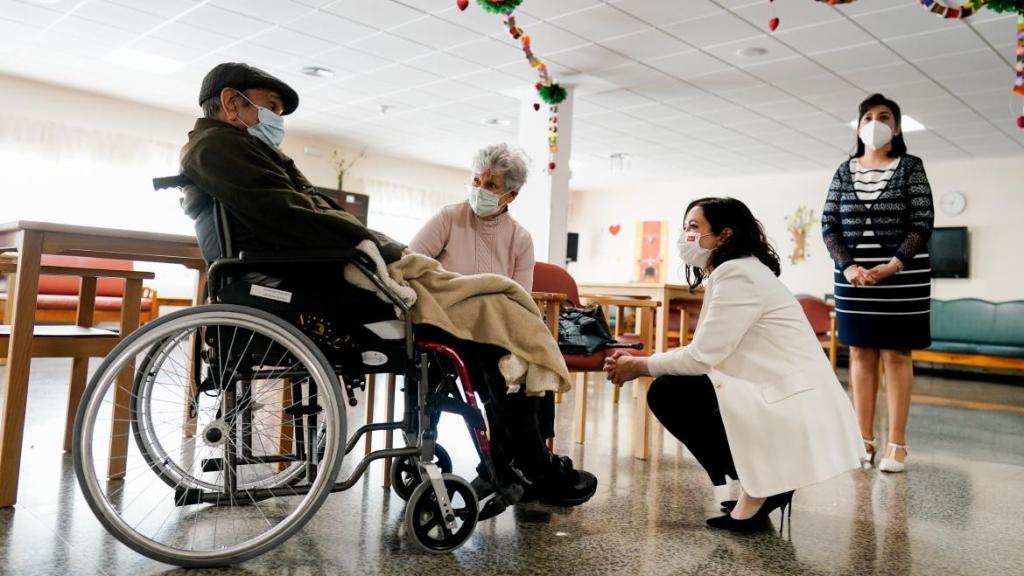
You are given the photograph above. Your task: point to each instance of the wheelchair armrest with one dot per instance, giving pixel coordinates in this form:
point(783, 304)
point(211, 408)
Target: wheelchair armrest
point(324, 255)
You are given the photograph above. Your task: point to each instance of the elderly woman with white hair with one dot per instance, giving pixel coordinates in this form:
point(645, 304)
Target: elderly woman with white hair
point(479, 235)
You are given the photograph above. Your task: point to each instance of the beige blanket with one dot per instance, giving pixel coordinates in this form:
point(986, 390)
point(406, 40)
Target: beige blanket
point(485, 308)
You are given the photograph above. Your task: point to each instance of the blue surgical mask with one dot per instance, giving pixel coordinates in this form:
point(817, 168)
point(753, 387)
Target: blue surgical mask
point(269, 126)
point(484, 202)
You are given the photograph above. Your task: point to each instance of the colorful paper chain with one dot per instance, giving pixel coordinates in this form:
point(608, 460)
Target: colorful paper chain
point(545, 86)
point(964, 11)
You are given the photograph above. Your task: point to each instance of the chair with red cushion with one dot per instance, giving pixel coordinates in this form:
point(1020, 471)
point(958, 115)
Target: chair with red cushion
point(822, 318)
point(551, 279)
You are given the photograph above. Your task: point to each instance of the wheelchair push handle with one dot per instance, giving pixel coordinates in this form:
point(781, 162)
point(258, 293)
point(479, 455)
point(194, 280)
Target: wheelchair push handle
point(177, 181)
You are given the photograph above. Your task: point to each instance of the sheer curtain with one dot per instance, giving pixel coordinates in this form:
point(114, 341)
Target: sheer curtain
point(58, 173)
point(400, 210)
point(52, 172)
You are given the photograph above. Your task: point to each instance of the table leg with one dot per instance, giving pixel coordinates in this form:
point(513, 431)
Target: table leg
point(79, 365)
point(12, 284)
point(661, 324)
point(19, 361)
point(641, 420)
point(371, 392)
point(198, 298)
point(130, 307)
point(389, 436)
point(580, 409)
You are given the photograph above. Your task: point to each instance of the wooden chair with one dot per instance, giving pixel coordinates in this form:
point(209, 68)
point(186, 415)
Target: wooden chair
point(81, 340)
point(555, 281)
point(822, 317)
point(57, 296)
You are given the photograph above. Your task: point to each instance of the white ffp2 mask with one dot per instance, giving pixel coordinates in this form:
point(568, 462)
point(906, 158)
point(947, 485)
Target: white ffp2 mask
point(875, 134)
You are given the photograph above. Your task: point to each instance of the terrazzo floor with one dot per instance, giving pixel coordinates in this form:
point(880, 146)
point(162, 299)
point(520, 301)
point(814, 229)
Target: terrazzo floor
point(959, 509)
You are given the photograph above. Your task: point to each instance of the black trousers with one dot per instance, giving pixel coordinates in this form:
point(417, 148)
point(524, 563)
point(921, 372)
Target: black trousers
point(688, 408)
point(514, 420)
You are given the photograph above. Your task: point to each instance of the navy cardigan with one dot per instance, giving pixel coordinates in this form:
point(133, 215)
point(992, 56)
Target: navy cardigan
point(901, 217)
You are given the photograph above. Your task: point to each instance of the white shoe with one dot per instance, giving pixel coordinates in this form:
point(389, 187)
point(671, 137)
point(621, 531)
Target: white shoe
point(872, 450)
point(892, 464)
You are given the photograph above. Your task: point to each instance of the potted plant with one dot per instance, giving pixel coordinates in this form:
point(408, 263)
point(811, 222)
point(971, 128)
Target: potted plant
point(341, 166)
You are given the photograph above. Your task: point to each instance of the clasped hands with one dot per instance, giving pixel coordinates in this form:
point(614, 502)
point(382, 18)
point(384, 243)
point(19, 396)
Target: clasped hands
point(859, 276)
point(622, 367)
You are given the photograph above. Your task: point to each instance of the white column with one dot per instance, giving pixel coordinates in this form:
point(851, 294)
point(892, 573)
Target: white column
point(543, 204)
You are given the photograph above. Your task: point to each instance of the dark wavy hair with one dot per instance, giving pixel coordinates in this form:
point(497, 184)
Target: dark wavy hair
point(899, 145)
point(747, 238)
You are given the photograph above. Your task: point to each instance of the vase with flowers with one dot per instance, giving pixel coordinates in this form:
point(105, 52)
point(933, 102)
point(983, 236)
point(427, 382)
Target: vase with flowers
point(342, 166)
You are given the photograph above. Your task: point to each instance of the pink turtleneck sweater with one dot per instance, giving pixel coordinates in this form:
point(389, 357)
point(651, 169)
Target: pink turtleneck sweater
point(468, 244)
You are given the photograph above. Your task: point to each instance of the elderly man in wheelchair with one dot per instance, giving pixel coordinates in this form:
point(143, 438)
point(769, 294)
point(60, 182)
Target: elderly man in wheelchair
point(213, 434)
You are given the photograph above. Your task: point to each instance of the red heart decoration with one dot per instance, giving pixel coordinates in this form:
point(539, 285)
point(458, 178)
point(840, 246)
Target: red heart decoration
point(773, 24)
point(552, 165)
point(615, 229)
point(536, 106)
point(1020, 122)
point(462, 4)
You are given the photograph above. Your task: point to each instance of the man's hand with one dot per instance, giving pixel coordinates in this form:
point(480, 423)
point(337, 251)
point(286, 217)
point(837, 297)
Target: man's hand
point(858, 276)
point(622, 367)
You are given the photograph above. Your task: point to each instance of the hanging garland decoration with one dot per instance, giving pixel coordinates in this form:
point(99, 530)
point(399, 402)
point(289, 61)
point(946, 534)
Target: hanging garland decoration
point(547, 89)
point(499, 6)
point(1018, 85)
point(965, 10)
point(773, 20)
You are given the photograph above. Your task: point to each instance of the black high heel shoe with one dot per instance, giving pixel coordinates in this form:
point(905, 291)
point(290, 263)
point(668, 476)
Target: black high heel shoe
point(759, 520)
point(727, 505)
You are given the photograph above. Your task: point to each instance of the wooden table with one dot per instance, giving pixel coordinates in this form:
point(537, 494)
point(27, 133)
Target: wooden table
point(662, 292)
point(31, 240)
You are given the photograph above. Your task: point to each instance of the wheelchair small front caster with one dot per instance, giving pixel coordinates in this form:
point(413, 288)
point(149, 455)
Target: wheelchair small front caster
point(425, 524)
point(405, 474)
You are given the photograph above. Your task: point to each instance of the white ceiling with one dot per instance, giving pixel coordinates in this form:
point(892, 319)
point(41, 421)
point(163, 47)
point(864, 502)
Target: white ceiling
point(658, 79)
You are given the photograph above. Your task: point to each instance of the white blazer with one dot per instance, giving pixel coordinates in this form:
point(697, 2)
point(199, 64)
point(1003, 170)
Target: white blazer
point(788, 420)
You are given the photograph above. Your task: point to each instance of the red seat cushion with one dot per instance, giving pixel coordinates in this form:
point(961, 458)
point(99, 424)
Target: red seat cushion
point(67, 302)
point(69, 284)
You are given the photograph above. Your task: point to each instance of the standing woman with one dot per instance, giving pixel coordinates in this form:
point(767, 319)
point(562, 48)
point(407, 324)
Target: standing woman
point(752, 396)
point(876, 224)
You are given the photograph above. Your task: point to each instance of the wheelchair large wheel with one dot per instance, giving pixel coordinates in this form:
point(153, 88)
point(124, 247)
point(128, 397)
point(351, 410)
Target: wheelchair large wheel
point(228, 503)
point(425, 524)
point(405, 474)
point(160, 396)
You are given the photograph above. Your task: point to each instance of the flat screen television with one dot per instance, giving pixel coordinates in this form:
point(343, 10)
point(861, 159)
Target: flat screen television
point(950, 252)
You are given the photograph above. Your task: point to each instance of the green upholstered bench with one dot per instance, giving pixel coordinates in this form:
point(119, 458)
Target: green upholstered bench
point(973, 332)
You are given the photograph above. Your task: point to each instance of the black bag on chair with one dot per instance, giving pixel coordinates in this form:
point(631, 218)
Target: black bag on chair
point(583, 330)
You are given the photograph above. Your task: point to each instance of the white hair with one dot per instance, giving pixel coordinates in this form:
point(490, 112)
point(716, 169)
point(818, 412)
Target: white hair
point(503, 160)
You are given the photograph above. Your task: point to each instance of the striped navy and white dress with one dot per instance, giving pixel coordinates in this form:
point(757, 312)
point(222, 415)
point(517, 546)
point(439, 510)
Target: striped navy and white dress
point(870, 216)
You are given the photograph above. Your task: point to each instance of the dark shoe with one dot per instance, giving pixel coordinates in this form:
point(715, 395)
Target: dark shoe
point(563, 485)
point(759, 521)
point(727, 505)
point(483, 488)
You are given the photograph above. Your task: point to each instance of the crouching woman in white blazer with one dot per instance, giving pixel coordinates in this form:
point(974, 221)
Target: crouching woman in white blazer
point(752, 396)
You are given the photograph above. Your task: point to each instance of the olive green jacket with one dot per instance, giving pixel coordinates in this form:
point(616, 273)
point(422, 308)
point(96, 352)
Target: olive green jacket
point(271, 204)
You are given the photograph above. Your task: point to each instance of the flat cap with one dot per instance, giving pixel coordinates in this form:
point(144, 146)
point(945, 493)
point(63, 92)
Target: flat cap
point(241, 77)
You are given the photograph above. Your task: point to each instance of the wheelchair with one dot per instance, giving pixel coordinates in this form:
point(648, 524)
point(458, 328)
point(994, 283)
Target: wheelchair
point(213, 434)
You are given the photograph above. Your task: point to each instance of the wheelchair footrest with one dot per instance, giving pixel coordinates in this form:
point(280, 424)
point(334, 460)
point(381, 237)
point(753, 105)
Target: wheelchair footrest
point(187, 496)
point(302, 410)
point(213, 464)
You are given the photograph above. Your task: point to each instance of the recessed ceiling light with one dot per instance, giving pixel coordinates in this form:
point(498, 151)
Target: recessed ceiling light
point(751, 52)
point(318, 71)
point(144, 61)
point(496, 122)
point(908, 123)
point(45, 1)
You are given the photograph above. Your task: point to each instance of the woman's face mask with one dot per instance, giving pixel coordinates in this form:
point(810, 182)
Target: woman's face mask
point(875, 134)
point(269, 126)
point(484, 202)
point(690, 250)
